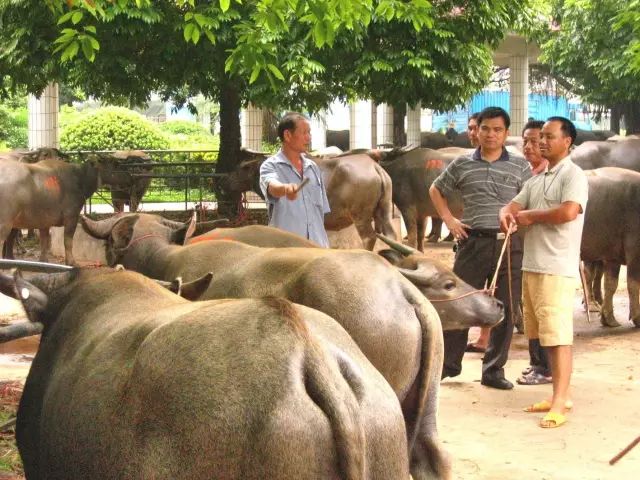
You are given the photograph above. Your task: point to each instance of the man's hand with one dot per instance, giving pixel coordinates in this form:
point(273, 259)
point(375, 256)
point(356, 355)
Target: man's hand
point(291, 190)
point(508, 220)
point(456, 227)
point(523, 218)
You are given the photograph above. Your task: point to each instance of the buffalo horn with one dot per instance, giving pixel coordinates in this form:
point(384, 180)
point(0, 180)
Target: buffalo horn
point(172, 224)
point(19, 330)
point(34, 266)
point(403, 249)
point(99, 229)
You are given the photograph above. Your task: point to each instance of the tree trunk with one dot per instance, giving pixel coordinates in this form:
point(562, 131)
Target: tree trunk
point(614, 123)
point(229, 155)
point(632, 117)
point(399, 135)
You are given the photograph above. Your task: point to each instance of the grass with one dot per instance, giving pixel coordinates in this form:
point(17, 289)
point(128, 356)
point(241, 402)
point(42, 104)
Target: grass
point(10, 462)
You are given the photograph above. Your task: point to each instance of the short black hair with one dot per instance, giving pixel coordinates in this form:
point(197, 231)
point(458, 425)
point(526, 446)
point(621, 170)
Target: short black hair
point(495, 112)
point(567, 127)
point(288, 122)
point(537, 124)
point(474, 116)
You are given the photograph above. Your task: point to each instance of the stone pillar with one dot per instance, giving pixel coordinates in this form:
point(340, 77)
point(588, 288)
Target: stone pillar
point(43, 118)
point(518, 93)
point(413, 125)
point(319, 130)
point(386, 124)
point(251, 128)
point(362, 125)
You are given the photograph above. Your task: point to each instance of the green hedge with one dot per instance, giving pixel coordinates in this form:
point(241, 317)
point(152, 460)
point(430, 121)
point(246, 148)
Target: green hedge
point(13, 127)
point(113, 128)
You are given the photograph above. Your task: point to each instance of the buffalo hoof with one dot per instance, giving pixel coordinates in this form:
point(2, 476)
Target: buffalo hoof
point(594, 306)
point(433, 239)
point(608, 320)
point(636, 321)
point(449, 238)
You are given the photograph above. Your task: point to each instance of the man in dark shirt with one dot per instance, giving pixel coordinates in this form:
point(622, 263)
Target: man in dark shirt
point(488, 179)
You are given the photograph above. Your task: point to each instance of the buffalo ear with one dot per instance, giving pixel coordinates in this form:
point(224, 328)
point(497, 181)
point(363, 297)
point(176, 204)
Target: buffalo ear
point(122, 232)
point(394, 257)
point(193, 290)
point(182, 234)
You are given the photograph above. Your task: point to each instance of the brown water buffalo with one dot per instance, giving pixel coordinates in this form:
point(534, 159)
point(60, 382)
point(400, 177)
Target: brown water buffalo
point(117, 170)
point(358, 190)
point(436, 281)
point(45, 194)
point(611, 235)
point(133, 382)
point(390, 320)
point(412, 173)
point(592, 155)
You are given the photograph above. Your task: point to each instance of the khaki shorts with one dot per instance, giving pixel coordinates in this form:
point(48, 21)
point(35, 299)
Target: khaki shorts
point(547, 305)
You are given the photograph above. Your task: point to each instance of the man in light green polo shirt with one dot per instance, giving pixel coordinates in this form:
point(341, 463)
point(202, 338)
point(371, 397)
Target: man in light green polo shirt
point(551, 205)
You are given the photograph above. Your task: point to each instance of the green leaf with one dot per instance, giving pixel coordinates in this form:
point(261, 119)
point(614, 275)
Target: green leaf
point(188, 31)
point(71, 51)
point(275, 71)
point(195, 36)
point(319, 34)
point(64, 18)
point(224, 5)
point(76, 17)
point(87, 49)
point(255, 73)
point(210, 36)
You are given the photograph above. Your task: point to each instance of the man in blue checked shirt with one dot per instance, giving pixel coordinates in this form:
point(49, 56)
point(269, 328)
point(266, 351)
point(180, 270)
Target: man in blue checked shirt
point(293, 185)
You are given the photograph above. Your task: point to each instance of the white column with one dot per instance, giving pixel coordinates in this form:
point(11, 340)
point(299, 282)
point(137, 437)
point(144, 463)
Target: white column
point(519, 93)
point(43, 118)
point(361, 127)
point(385, 119)
point(251, 127)
point(319, 130)
point(413, 125)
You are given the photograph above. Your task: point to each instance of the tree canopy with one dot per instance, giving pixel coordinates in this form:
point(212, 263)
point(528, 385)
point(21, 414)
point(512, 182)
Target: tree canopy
point(281, 53)
point(594, 49)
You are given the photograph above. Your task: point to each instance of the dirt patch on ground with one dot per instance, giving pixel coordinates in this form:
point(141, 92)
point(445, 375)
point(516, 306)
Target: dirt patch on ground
point(485, 430)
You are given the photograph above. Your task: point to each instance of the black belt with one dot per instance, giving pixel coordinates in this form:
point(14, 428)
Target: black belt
point(486, 233)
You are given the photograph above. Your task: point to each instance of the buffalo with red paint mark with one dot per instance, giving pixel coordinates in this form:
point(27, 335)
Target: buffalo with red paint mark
point(412, 173)
point(48, 193)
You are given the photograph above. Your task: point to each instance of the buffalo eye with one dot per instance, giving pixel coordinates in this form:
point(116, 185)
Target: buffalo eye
point(449, 285)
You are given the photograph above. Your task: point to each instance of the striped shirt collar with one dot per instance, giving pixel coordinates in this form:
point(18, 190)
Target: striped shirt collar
point(504, 156)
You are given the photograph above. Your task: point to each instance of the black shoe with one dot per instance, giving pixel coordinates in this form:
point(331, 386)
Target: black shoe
point(500, 383)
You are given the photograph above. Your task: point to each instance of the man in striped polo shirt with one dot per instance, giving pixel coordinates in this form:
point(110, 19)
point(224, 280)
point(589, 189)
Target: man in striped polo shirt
point(488, 178)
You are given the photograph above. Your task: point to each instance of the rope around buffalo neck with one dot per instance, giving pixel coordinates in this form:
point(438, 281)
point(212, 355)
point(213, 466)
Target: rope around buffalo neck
point(492, 286)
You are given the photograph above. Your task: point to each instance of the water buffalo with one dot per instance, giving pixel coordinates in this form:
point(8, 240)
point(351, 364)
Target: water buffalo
point(591, 155)
point(337, 138)
point(116, 174)
point(412, 173)
point(436, 281)
point(132, 382)
point(358, 190)
point(390, 320)
point(45, 194)
point(611, 235)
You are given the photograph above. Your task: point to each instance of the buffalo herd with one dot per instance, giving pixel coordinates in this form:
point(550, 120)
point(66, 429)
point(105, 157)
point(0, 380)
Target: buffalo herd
point(251, 352)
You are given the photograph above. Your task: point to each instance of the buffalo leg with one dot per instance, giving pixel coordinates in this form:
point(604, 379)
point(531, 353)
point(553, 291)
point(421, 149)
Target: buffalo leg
point(5, 233)
point(366, 232)
point(409, 216)
point(7, 248)
point(69, 231)
point(593, 281)
point(633, 287)
point(436, 230)
point(421, 227)
point(45, 244)
point(611, 272)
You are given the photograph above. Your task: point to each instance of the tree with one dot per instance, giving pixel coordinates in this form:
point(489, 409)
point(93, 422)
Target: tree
point(273, 53)
point(593, 49)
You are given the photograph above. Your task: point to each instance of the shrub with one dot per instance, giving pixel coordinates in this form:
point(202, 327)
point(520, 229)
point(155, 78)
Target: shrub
point(184, 127)
point(186, 135)
point(113, 128)
point(13, 127)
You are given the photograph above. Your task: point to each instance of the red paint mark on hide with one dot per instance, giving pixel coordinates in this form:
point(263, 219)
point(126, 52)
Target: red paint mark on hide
point(52, 183)
point(434, 163)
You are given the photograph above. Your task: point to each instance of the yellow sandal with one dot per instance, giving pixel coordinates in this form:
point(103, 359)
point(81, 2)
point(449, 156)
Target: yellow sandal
point(545, 406)
point(552, 420)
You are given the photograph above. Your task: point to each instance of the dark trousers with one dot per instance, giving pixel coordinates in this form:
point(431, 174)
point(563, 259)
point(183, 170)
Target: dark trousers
point(476, 261)
point(539, 357)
